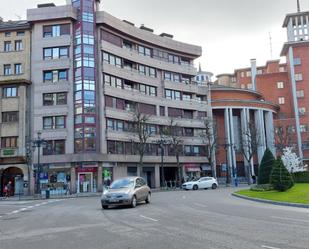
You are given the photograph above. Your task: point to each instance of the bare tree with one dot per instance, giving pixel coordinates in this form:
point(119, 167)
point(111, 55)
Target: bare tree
point(172, 131)
point(284, 137)
point(210, 138)
point(140, 128)
point(250, 143)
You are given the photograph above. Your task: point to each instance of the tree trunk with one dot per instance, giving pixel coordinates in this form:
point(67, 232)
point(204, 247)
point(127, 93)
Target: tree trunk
point(140, 166)
point(179, 169)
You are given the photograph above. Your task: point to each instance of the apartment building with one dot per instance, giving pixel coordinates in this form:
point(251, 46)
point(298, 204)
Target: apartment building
point(281, 86)
point(14, 95)
point(92, 73)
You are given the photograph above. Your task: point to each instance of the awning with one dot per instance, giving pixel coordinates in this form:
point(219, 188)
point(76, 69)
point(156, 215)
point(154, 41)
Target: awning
point(191, 167)
point(206, 167)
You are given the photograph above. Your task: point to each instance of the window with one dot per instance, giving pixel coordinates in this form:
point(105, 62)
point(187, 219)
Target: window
point(54, 147)
point(18, 69)
point(61, 98)
point(56, 30)
point(167, 76)
point(87, 17)
point(168, 94)
point(303, 128)
point(55, 53)
point(297, 61)
point(242, 74)
point(48, 99)
point(7, 34)
point(9, 92)
point(259, 72)
point(144, 51)
point(142, 69)
point(56, 122)
point(9, 117)
point(281, 100)
point(20, 33)
point(7, 46)
point(18, 45)
point(249, 86)
point(300, 94)
point(7, 70)
point(186, 97)
point(55, 75)
point(248, 74)
point(281, 69)
point(298, 77)
point(280, 85)
point(9, 142)
point(302, 111)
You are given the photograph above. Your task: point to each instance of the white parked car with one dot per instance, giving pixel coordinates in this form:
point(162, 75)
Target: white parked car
point(202, 183)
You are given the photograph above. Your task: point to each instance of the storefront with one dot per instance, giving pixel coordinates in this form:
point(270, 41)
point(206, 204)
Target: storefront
point(55, 178)
point(192, 171)
point(87, 178)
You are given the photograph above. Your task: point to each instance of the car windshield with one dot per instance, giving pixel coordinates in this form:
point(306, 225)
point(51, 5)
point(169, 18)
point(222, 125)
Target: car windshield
point(122, 183)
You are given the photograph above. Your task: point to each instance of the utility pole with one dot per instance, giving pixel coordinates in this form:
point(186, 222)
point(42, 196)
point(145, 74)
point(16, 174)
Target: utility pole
point(298, 6)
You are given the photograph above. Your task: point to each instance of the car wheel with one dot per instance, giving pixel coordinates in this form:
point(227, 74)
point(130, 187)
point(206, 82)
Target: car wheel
point(214, 186)
point(195, 187)
point(133, 202)
point(104, 206)
point(148, 198)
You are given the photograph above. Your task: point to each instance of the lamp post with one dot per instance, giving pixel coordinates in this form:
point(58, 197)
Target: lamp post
point(226, 146)
point(38, 143)
point(161, 143)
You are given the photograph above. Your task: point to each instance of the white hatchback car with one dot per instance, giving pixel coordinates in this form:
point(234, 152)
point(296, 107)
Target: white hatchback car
point(202, 183)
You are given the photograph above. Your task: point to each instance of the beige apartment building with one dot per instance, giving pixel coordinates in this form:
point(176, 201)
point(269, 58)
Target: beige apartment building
point(14, 95)
point(91, 73)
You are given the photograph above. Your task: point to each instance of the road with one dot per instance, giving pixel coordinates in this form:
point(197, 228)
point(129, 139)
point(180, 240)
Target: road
point(210, 219)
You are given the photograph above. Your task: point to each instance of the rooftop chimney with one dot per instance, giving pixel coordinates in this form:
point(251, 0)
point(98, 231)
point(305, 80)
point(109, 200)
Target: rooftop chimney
point(145, 28)
point(253, 73)
point(167, 35)
point(46, 5)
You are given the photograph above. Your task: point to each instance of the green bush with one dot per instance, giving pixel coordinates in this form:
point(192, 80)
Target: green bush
point(280, 177)
point(301, 177)
point(262, 187)
point(266, 167)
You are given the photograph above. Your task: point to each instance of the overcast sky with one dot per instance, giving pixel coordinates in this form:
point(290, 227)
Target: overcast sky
point(231, 32)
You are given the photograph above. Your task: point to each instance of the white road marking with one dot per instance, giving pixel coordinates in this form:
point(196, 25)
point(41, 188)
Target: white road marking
point(183, 197)
point(148, 218)
point(270, 247)
point(37, 205)
point(23, 209)
point(44, 203)
point(199, 205)
point(290, 219)
point(15, 212)
point(30, 207)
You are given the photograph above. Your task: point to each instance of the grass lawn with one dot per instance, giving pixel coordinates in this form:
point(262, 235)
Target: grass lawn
point(298, 194)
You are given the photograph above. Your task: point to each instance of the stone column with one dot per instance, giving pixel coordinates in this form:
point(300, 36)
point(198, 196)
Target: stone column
point(232, 143)
point(244, 116)
point(157, 175)
point(270, 132)
point(260, 134)
point(100, 177)
point(228, 138)
point(73, 180)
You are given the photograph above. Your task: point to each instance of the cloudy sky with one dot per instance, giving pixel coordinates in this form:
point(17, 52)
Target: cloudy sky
point(231, 32)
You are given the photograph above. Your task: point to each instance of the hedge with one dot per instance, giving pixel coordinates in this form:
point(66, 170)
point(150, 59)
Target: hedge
point(301, 177)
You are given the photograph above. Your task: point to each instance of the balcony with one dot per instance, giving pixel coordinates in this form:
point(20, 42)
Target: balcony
point(9, 152)
point(133, 55)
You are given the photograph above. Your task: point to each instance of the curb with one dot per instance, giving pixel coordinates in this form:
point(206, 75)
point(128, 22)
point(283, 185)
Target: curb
point(278, 203)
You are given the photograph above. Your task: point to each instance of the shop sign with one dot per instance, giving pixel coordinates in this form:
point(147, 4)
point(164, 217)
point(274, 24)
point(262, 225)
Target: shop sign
point(43, 176)
point(223, 167)
point(206, 167)
point(8, 152)
point(192, 167)
point(88, 169)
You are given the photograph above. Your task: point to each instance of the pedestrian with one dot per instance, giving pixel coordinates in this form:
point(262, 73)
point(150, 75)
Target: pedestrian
point(5, 191)
point(8, 189)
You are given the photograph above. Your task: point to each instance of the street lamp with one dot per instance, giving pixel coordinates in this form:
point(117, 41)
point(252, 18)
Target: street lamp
point(161, 143)
point(38, 143)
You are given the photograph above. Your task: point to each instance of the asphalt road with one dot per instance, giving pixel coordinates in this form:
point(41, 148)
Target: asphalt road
point(210, 219)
